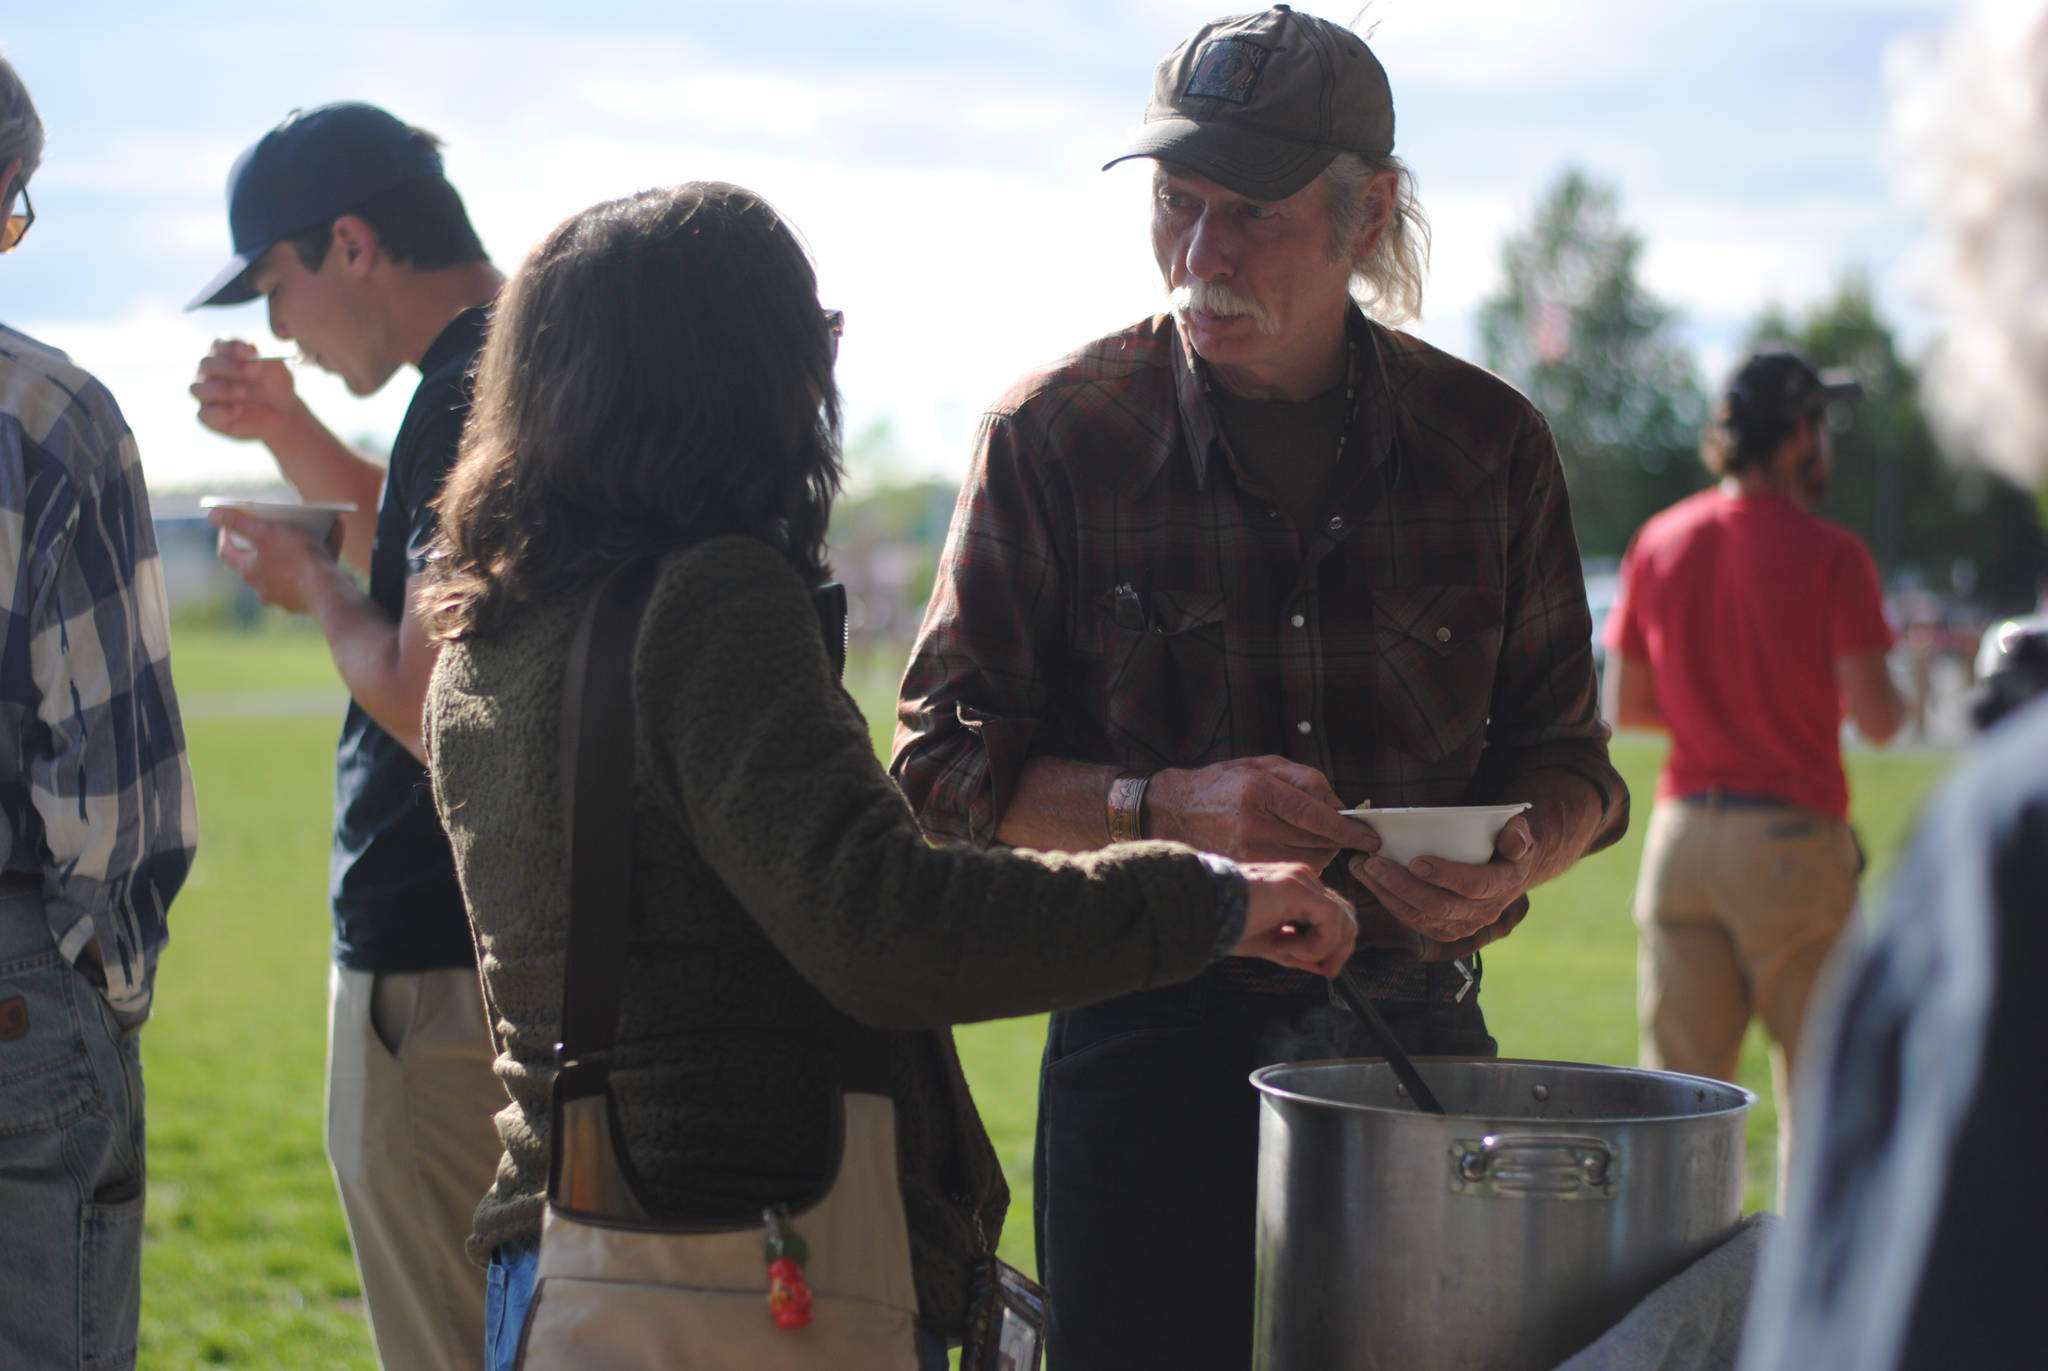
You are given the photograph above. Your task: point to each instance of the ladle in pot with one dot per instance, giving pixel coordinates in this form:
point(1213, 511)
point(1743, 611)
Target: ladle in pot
point(1404, 1069)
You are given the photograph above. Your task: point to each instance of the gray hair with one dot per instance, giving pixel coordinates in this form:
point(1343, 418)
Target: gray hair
point(1387, 282)
point(21, 128)
point(1972, 122)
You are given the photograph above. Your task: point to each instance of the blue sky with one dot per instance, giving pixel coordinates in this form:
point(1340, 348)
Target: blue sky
point(941, 158)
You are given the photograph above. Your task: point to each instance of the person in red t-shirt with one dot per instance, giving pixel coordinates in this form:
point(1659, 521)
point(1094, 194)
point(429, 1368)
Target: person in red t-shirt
point(1746, 627)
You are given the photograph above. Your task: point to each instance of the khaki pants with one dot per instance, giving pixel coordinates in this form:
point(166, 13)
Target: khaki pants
point(410, 1100)
point(1738, 906)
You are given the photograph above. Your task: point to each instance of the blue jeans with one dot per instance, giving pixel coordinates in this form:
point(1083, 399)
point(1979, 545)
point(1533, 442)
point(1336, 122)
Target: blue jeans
point(510, 1291)
point(1148, 1149)
point(71, 1159)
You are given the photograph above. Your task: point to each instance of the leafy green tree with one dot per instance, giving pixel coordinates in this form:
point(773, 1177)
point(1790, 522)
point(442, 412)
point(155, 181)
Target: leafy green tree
point(1949, 527)
point(1575, 330)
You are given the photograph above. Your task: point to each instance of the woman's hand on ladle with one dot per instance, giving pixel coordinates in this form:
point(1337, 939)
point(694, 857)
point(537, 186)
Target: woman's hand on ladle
point(1296, 920)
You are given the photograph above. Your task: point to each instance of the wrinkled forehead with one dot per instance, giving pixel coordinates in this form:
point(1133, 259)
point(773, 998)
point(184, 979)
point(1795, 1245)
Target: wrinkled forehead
point(1313, 203)
point(1172, 174)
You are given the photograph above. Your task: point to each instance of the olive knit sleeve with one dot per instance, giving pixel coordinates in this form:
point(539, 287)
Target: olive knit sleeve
point(770, 767)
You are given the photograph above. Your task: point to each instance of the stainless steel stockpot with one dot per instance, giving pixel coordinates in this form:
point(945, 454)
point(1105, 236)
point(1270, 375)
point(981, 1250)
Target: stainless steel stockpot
point(1502, 1236)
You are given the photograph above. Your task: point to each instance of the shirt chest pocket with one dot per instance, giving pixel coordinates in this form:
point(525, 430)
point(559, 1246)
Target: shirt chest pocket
point(1437, 648)
point(1168, 690)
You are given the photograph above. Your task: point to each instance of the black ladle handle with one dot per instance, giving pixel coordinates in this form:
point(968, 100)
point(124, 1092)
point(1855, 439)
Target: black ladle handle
point(1404, 1069)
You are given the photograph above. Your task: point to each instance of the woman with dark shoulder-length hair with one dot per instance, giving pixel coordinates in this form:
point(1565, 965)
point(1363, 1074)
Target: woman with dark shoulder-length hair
point(657, 385)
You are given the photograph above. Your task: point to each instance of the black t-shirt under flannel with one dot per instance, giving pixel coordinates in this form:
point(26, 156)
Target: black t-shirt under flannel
point(397, 905)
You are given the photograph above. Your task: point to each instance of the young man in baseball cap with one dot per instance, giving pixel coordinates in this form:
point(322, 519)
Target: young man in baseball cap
point(1215, 577)
point(345, 226)
point(1746, 625)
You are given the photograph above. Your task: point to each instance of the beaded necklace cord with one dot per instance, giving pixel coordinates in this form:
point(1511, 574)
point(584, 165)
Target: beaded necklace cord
point(1350, 397)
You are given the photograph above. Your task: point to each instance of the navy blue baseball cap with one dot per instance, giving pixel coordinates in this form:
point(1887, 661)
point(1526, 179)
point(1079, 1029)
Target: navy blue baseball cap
point(1775, 386)
point(316, 165)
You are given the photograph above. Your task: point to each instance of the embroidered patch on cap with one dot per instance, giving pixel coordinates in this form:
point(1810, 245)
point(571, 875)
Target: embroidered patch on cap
point(1227, 70)
point(13, 1019)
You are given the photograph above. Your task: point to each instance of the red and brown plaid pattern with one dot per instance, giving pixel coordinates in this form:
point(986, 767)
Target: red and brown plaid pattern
point(1113, 591)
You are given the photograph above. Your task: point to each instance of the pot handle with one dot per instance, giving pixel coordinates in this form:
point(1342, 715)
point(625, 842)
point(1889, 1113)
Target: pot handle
point(1545, 1165)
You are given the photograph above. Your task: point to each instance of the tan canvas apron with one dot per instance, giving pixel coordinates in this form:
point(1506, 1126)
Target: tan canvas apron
point(613, 1294)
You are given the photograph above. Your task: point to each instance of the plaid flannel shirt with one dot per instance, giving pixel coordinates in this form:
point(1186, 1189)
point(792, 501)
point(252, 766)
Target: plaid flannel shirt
point(95, 789)
point(1112, 590)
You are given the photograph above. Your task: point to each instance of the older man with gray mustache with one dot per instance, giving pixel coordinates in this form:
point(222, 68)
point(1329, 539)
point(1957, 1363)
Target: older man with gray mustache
point(1214, 578)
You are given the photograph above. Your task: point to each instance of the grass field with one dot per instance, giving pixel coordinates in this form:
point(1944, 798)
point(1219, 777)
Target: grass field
point(246, 1262)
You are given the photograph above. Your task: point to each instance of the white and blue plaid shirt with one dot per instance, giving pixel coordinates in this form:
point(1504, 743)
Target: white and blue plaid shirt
point(95, 788)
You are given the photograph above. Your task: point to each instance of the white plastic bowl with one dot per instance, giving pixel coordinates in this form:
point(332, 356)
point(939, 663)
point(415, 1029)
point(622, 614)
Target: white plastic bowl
point(312, 517)
point(1456, 833)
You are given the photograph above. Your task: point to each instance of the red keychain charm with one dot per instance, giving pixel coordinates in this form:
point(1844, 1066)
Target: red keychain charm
point(789, 1296)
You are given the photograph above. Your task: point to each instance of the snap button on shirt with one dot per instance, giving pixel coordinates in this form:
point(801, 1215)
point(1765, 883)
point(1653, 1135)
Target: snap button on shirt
point(1298, 621)
point(1443, 635)
point(1304, 727)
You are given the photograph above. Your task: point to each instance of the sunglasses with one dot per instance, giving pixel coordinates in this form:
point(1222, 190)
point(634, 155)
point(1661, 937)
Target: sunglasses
point(835, 321)
point(15, 227)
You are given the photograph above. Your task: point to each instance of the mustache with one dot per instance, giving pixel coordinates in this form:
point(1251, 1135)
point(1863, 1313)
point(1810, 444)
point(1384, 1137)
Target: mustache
point(1211, 297)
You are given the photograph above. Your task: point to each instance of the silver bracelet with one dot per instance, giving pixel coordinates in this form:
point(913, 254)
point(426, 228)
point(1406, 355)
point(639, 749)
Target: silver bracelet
point(1127, 807)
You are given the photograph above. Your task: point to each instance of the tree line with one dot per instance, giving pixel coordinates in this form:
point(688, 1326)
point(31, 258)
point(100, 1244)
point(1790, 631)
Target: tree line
point(1572, 326)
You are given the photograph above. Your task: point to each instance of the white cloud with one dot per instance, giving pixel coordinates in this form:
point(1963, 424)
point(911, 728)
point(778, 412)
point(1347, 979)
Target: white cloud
point(1715, 258)
point(727, 104)
point(1464, 258)
point(141, 162)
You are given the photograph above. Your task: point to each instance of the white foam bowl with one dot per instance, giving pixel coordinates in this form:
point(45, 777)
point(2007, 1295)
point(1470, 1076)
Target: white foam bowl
point(311, 517)
point(1456, 833)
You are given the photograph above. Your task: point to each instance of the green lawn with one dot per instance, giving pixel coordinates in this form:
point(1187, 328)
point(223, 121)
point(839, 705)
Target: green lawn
point(246, 1262)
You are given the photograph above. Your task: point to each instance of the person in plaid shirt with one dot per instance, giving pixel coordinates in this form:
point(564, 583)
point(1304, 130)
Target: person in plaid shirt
point(1214, 578)
point(97, 831)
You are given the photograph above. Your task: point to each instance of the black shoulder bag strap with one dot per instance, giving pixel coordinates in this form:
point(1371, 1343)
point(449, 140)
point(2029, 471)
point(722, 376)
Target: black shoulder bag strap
point(588, 1175)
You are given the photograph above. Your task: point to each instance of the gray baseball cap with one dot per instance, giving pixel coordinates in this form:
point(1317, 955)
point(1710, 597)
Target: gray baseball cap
point(1262, 103)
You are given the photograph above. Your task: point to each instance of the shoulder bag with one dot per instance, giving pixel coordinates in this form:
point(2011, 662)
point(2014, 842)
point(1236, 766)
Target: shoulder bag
point(615, 1288)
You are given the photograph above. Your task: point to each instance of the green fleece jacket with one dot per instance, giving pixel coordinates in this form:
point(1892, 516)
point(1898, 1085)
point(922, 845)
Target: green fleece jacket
point(779, 882)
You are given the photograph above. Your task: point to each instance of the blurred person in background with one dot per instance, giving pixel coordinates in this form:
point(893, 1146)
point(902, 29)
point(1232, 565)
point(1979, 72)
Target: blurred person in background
point(1746, 627)
point(345, 226)
point(1215, 576)
point(658, 393)
point(97, 831)
point(1913, 1238)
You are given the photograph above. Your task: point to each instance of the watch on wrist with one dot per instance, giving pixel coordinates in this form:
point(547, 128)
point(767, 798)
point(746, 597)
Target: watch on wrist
point(1127, 807)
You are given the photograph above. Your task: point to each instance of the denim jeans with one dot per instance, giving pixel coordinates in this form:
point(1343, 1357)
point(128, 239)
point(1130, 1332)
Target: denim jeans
point(510, 1291)
point(71, 1159)
point(1148, 1146)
